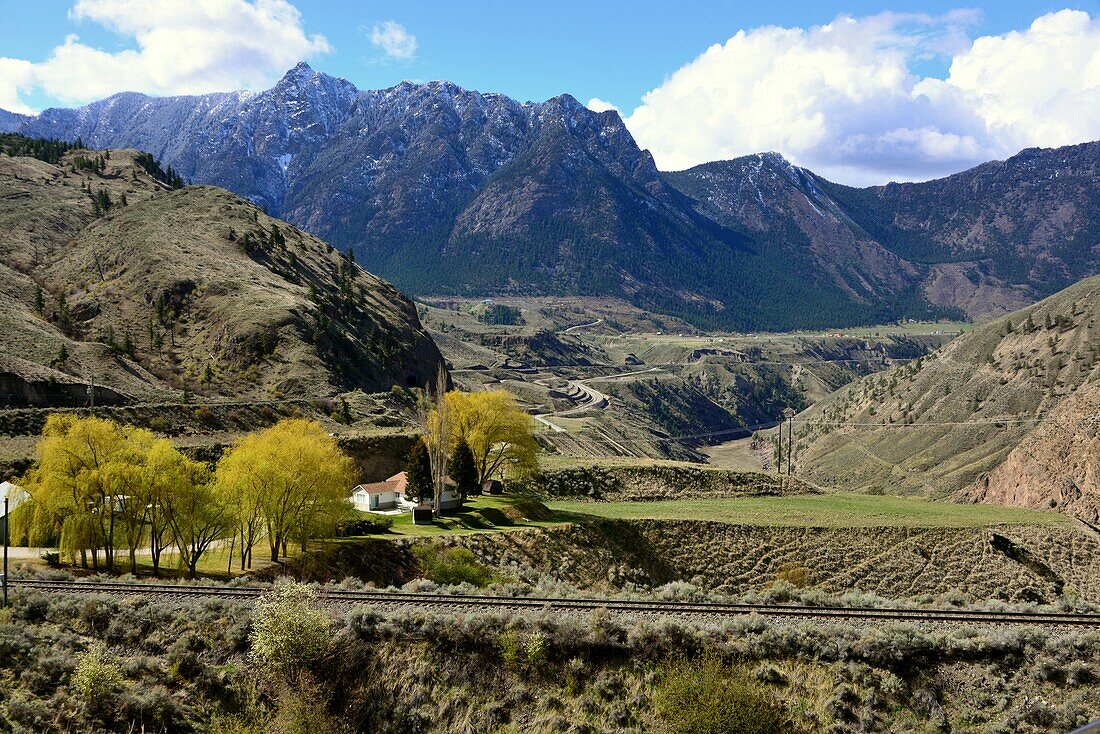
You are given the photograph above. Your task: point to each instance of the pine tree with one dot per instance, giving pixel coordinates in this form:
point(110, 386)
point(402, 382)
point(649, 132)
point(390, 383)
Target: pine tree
point(464, 469)
point(418, 473)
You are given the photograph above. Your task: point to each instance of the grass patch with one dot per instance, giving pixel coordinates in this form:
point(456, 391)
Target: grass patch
point(829, 511)
point(485, 514)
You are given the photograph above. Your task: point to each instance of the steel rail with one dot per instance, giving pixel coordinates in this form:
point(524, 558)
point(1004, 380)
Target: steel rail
point(659, 607)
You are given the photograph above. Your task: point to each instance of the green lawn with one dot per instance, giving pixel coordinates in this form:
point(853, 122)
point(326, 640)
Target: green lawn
point(832, 510)
point(483, 514)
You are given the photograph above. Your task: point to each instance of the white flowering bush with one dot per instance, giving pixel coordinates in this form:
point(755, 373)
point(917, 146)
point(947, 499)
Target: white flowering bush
point(288, 629)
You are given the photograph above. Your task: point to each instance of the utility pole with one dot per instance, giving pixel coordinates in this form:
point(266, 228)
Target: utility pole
point(790, 443)
point(788, 415)
point(7, 532)
point(779, 459)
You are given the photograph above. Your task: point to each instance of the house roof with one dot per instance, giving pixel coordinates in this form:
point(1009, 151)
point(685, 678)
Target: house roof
point(377, 488)
point(396, 483)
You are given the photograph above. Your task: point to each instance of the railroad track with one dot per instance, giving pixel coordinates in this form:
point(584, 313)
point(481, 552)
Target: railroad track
point(617, 606)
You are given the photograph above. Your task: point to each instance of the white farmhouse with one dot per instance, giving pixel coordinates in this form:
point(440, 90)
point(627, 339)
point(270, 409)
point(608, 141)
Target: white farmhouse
point(381, 496)
point(390, 495)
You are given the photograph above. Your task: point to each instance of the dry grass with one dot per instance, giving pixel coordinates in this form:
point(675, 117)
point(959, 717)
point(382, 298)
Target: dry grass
point(839, 510)
point(166, 298)
point(989, 375)
point(1052, 561)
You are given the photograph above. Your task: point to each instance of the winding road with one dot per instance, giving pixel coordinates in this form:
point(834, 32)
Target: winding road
point(593, 399)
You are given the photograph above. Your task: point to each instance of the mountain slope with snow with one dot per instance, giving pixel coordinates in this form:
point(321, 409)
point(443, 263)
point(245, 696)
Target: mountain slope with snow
point(448, 190)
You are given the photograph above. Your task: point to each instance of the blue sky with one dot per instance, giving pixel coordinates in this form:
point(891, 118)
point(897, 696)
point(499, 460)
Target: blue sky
point(864, 91)
point(616, 51)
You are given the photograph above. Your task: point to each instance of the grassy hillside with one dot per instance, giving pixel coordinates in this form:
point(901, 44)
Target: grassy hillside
point(109, 275)
point(941, 423)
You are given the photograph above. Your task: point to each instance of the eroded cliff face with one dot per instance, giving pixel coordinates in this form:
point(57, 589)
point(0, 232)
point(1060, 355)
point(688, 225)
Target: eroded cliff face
point(1056, 467)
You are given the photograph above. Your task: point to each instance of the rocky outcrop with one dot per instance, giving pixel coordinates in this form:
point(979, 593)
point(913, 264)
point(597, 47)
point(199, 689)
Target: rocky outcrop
point(1057, 466)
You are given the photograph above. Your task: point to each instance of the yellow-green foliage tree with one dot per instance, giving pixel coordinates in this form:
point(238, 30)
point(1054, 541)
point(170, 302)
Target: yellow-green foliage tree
point(84, 465)
point(297, 477)
point(101, 486)
point(196, 514)
point(497, 431)
point(166, 469)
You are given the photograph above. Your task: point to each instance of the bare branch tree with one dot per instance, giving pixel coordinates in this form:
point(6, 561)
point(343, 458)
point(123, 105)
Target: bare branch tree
point(434, 416)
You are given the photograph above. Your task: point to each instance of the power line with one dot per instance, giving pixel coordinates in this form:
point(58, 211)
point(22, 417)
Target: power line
point(773, 424)
point(989, 422)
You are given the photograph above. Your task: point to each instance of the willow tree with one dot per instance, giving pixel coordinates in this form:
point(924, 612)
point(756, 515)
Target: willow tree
point(73, 484)
point(242, 480)
point(101, 485)
point(166, 471)
point(195, 514)
point(124, 479)
point(297, 476)
point(497, 431)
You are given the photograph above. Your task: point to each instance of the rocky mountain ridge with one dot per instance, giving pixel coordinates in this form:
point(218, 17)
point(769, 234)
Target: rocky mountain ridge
point(452, 191)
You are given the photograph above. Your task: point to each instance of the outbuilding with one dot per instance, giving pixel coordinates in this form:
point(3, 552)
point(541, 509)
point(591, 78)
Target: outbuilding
point(390, 495)
point(492, 486)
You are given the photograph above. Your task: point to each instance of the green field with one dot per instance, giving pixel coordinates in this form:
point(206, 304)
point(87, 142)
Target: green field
point(832, 511)
point(479, 515)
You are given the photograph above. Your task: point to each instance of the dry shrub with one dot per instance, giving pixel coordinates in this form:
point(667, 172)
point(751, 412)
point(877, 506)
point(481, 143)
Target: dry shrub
point(795, 574)
point(707, 697)
point(302, 710)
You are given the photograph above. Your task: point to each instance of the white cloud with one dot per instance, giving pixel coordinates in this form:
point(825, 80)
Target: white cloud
point(1035, 87)
point(598, 105)
point(843, 98)
point(181, 48)
point(394, 40)
point(15, 75)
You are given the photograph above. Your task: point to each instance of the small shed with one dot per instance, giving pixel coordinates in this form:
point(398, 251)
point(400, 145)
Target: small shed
point(492, 486)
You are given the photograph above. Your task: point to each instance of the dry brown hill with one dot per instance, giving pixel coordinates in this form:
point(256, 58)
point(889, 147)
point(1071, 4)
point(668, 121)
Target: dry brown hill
point(1006, 413)
point(111, 277)
point(1056, 466)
